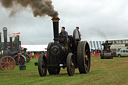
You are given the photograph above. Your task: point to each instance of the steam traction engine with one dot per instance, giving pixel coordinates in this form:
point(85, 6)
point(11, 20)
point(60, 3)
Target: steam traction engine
point(24, 58)
point(106, 53)
point(16, 51)
point(7, 62)
point(64, 52)
point(10, 53)
point(24, 52)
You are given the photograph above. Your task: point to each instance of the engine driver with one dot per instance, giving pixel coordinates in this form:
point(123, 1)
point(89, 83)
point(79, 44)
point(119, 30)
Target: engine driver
point(63, 32)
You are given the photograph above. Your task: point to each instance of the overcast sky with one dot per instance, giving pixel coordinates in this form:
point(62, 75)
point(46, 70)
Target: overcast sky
point(97, 19)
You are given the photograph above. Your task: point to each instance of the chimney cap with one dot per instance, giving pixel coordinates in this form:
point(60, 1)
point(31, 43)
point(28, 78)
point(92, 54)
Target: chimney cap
point(55, 19)
point(5, 28)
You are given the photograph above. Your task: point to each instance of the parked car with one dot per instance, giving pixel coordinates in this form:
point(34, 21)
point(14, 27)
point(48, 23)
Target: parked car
point(122, 53)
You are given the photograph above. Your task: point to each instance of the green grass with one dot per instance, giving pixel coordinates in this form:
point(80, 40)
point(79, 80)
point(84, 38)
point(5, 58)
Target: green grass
point(103, 72)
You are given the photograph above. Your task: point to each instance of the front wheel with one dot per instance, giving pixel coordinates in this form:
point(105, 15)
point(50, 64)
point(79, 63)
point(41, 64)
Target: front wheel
point(70, 65)
point(27, 58)
point(42, 69)
point(21, 60)
point(119, 55)
point(102, 57)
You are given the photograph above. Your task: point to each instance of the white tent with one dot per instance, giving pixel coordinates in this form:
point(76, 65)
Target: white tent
point(35, 47)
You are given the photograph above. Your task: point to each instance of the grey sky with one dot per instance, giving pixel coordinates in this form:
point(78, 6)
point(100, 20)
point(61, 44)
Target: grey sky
point(97, 19)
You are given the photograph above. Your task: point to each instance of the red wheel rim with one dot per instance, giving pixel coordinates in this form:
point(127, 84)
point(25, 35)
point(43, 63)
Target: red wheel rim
point(7, 63)
point(19, 60)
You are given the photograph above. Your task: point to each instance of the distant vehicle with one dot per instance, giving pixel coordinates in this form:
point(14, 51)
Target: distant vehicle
point(122, 53)
point(118, 43)
point(114, 52)
point(106, 53)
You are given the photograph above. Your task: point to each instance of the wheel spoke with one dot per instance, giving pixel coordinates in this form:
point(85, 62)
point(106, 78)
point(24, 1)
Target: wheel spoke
point(10, 60)
point(3, 62)
point(86, 51)
point(7, 59)
point(5, 66)
point(10, 66)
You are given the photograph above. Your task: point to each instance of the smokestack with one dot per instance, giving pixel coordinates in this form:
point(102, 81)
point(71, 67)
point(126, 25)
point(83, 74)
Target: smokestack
point(11, 43)
point(17, 42)
point(0, 43)
point(56, 29)
point(5, 37)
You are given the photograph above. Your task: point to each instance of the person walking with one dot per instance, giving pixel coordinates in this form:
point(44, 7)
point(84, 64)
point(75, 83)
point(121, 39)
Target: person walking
point(33, 55)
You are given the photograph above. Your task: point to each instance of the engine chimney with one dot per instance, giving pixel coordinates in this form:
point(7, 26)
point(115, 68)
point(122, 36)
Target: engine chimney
point(0, 43)
point(56, 29)
point(11, 43)
point(17, 42)
point(5, 37)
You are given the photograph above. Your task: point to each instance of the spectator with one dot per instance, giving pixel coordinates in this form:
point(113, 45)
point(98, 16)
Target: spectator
point(33, 55)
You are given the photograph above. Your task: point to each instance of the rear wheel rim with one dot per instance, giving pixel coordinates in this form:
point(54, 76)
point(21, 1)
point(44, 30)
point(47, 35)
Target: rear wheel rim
point(83, 57)
point(87, 60)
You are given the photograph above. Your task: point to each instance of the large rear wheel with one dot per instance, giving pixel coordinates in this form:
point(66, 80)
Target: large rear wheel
point(83, 57)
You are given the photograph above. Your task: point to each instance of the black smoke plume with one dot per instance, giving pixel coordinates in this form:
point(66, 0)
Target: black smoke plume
point(39, 7)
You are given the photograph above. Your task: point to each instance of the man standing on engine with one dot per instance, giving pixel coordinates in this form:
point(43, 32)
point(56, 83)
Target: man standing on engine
point(76, 34)
point(63, 32)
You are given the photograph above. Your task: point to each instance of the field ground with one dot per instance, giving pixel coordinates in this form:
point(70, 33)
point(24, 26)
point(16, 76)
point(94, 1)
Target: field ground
point(103, 72)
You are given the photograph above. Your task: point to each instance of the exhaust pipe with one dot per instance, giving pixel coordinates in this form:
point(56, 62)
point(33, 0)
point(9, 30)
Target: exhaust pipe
point(0, 47)
point(17, 42)
point(56, 29)
point(0, 43)
point(5, 37)
point(10, 43)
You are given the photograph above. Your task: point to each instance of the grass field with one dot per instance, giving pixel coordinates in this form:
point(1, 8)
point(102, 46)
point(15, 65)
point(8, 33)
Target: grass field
point(103, 72)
